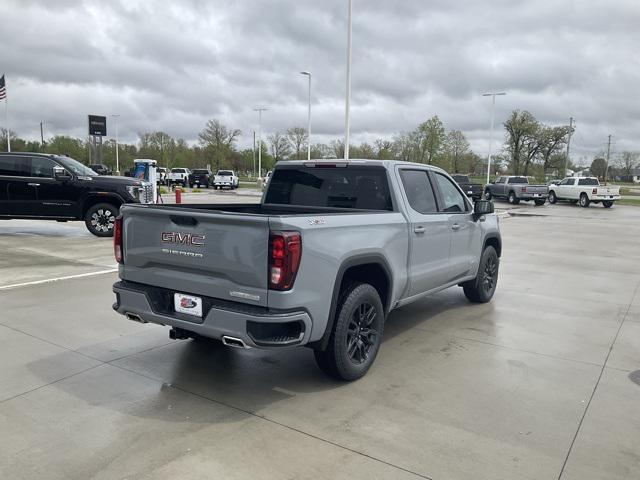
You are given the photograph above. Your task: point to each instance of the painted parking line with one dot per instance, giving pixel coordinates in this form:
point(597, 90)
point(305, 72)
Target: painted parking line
point(57, 279)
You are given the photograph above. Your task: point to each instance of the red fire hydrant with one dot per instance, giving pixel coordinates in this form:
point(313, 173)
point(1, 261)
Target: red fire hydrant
point(178, 195)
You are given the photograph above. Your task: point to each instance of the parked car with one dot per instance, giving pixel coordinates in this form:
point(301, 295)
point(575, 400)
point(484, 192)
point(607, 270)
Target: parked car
point(516, 188)
point(101, 169)
point(200, 177)
point(225, 178)
point(161, 175)
point(473, 190)
point(54, 187)
point(584, 190)
point(333, 248)
point(179, 176)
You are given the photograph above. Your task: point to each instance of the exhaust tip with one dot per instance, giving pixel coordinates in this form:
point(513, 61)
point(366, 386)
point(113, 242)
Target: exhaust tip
point(233, 342)
point(134, 317)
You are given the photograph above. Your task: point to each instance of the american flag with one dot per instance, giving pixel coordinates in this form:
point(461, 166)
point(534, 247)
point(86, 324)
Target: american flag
point(3, 88)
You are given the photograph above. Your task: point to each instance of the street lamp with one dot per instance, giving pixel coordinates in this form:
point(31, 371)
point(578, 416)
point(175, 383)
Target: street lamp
point(260, 110)
point(346, 116)
point(308, 117)
point(493, 114)
point(115, 116)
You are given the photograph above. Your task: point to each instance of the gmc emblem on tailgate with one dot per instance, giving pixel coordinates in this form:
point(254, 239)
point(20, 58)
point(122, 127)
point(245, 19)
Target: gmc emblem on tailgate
point(183, 239)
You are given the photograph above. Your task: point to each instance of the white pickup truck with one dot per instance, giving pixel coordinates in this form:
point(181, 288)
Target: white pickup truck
point(179, 176)
point(584, 190)
point(225, 178)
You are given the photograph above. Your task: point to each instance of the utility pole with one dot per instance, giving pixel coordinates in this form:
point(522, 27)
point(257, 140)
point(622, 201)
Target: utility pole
point(348, 97)
point(308, 117)
point(606, 168)
point(42, 137)
point(260, 110)
point(566, 160)
point(254, 152)
point(115, 116)
point(493, 115)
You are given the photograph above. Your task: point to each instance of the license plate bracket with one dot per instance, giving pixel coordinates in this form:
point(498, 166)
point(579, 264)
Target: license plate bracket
point(187, 304)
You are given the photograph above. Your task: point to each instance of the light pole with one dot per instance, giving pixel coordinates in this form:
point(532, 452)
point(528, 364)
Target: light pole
point(308, 117)
point(115, 116)
point(41, 135)
point(260, 110)
point(493, 114)
point(346, 116)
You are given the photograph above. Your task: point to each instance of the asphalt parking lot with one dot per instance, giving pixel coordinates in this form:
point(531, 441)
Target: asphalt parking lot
point(537, 384)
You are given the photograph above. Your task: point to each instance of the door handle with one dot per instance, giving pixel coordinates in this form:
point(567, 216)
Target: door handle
point(419, 230)
point(33, 184)
point(455, 226)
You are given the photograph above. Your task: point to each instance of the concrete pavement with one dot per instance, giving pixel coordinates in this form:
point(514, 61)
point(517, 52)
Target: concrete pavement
point(535, 384)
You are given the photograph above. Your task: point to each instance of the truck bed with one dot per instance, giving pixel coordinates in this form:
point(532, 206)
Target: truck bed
point(264, 209)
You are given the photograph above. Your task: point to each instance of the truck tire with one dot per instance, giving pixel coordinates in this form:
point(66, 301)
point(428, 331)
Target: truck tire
point(607, 204)
point(487, 195)
point(100, 219)
point(552, 197)
point(584, 200)
point(356, 335)
point(539, 203)
point(513, 200)
point(482, 288)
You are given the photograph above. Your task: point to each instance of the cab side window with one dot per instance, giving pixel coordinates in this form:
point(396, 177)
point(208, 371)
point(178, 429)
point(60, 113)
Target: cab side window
point(14, 166)
point(419, 191)
point(41, 167)
point(453, 200)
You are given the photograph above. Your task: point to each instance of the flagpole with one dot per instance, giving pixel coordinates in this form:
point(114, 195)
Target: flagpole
point(6, 121)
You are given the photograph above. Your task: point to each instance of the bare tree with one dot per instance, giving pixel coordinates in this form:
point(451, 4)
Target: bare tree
point(403, 146)
point(383, 149)
point(337, 148)
point(279, 146)
point(218, 140)
point(628, 161)
point(297, 137)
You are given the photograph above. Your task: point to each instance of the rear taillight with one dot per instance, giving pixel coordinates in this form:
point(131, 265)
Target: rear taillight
point(594, 191)
point(524, 189)
point(285, 249)
point(117, 240)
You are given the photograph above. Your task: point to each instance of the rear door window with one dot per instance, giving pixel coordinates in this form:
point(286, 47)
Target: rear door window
point(14, 166)
point(341, 187)
point(419, 191)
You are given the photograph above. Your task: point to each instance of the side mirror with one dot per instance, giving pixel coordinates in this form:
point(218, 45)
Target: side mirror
point(482, 207)
point(61, 174)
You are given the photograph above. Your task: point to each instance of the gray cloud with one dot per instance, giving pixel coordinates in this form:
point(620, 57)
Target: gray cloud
point(173, 66)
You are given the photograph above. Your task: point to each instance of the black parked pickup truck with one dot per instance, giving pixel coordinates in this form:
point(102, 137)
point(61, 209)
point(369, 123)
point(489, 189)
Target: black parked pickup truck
point(55, 187)
point(200, 177)
point(473, 190)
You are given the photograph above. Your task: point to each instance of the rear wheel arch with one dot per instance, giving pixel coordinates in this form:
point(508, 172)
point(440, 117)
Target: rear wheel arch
point(368, 268)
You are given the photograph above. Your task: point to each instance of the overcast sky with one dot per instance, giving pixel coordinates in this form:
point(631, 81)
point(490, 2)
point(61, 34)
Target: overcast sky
point(172, 65)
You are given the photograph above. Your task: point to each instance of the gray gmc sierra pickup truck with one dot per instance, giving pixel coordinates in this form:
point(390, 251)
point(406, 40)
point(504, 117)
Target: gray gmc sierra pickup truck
point(333, 247)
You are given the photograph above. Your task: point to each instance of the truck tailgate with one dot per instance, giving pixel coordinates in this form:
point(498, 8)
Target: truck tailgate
point(609, 191)
point(221, 255)
point(539, 189)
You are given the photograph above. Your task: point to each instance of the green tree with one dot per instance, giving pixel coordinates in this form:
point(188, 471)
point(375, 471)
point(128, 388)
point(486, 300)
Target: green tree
point(521, 145)
point(456, 147)
point(428, 139)
point(551, 141)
